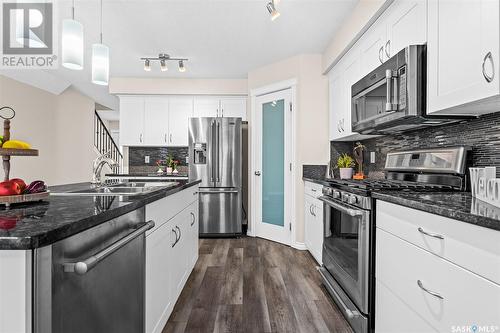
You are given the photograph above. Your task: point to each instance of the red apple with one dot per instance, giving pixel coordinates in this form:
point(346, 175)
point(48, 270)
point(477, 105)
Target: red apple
point(20, 182)
point(7, 223)
point(9, 188)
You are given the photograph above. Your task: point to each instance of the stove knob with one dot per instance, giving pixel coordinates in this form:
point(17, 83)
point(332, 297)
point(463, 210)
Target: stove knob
point(352, 199)
point(335, 194)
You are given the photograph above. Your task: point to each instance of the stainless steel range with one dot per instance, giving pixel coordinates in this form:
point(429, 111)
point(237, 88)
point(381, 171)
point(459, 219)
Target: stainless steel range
point(349, 223)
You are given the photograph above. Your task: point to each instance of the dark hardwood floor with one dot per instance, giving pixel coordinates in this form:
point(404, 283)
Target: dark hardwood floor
point(254, 285)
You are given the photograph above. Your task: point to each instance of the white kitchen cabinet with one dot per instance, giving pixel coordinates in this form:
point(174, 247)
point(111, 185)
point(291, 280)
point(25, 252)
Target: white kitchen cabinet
point(131, 120)
point(234, 107)
point(335, 103)
point(206, 107)
point(371, 46)
point(180, 109)
point(463, 62)
point(313, 220)
point(171, 253)
point(155, 121)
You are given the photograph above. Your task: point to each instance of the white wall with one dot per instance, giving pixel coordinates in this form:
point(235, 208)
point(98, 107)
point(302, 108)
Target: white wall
point(312, 141)
point(352, 25)
point(59, 126)
point(124, 85)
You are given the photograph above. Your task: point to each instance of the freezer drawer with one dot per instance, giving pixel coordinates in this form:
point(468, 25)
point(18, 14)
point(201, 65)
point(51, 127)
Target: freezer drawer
point(220, 211)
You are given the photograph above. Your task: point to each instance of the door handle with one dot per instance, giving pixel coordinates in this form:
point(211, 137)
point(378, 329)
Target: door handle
point(86, 265)
point(140, 137)
point(486, 76)
point(165, 137)
point(381, 54)
point(257, 173)
point(218, 152)
point(212, 152)
point(193, 219)
point(388, 48)
point(170, 137)
point(389, 106)
point(217, 192)
point(348, 211)
point(433, 293)
point(176, 237)
point(422, 231)
point(180, 234)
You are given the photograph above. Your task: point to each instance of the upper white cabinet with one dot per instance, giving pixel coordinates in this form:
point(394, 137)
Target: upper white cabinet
point(463, 59)
point(220, 107)
point(154, 120)
point(131, 120)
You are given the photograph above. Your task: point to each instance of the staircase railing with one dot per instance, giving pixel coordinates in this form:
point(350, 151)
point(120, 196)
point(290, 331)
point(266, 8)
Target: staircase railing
point(104, 143)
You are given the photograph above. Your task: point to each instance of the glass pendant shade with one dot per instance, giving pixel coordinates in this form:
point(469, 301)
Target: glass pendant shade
point(72, 44)
point(100, 64)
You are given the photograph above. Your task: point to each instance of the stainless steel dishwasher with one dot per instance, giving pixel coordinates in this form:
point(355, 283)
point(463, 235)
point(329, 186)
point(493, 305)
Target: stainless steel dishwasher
point(93, 281)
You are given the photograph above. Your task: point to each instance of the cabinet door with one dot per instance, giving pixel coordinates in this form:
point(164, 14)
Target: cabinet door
point(351, 76)
point(234, 107)
point(179, 111)
point(193, 235)
point(131, 121)
point(206, 106)
point(309, 224)
point(335, 93)
point(159, 301)
point(462, 54)
point(406, 25)
point(371, 47)
point(178, 265)
point(318, 231)
point(156, 121)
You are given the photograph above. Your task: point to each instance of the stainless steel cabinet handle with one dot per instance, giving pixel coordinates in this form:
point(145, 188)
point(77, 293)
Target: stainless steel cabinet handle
point(222, 112)
point(338, 126)
point(140, 137)
point(381, 54)
point(342, 123)
point(389, 106)
point(170, 137)
point(433, 293)
point(348, 211)
point(430, 234)
point(86, 265)
point(486, 76)
point(311, 210)
point(193, 219)
point(257, 173)
point(176, 237)
point(349, 313)
point(165, 137)
point(388, 48)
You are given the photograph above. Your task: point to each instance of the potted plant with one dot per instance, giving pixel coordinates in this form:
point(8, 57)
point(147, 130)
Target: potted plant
point(160, 167)
point(172, 164)
point(345, 163)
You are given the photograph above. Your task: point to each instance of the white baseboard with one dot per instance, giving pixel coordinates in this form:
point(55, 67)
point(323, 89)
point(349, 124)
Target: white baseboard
point(299, 246)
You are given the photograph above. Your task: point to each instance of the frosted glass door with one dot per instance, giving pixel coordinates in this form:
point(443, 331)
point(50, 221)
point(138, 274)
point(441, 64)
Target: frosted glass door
point(273, 160)
point(272, 166)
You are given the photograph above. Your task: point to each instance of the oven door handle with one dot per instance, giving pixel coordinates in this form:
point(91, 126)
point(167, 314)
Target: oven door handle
point(342, 208)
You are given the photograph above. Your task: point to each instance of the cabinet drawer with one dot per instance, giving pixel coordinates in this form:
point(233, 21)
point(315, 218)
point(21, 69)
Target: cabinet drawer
point(392, 315)
point(313, 189)
point(164, 209)
point(467, 298)
point(469, 246)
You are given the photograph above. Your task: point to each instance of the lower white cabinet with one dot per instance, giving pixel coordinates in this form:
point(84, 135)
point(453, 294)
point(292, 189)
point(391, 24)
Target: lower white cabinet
point(422, 289)
point(313, 220)
point(171, 253)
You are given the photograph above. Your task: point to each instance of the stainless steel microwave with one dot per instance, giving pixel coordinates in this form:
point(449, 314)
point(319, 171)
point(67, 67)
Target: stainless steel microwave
point(391, 98)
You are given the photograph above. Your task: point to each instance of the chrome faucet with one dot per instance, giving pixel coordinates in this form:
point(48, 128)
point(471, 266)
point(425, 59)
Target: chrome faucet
point(99, 163)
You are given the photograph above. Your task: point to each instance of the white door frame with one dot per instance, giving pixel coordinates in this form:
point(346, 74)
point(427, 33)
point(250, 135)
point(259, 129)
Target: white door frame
point(254, 93)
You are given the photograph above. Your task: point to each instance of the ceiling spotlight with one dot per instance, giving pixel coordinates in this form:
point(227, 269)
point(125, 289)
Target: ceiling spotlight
point(147, 65)
point(271, 8)
point(182, 69)
point(163, 65)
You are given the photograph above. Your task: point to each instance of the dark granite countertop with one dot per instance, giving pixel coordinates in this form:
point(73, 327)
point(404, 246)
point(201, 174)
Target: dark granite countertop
point(319, 180)
point(455, 205)
point(29, 226)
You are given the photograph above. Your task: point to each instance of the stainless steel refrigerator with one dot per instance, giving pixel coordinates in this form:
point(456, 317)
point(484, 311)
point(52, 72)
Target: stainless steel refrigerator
point(215, 158)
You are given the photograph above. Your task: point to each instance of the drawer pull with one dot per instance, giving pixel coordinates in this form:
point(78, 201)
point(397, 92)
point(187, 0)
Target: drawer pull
point(430, 234)
point(421, 286)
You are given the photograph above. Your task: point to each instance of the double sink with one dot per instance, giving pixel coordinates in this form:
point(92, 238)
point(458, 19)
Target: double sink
point(126, 188)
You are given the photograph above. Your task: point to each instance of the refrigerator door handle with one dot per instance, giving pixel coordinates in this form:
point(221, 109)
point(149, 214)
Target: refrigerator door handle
point(218, 152)
point(212, 152)
point(220, 192)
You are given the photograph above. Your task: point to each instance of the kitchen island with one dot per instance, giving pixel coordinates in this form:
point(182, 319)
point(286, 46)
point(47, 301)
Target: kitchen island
point(29, 233)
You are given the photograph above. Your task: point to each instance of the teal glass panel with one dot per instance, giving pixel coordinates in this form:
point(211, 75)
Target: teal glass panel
point(273, 158)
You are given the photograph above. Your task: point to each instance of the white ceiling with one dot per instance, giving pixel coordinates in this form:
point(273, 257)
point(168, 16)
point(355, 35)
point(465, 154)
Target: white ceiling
point(221, 38)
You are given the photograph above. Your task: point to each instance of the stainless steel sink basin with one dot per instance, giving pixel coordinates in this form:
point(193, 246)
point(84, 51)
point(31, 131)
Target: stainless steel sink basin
point(128, 189)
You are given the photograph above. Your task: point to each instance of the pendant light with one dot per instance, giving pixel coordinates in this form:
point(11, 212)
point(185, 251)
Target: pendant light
point(72, 42)
point(100, 61)
point(182, 69)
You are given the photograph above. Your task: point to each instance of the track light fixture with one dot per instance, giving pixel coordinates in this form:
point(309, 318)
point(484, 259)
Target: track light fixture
point(163, 58)
point(271, 8)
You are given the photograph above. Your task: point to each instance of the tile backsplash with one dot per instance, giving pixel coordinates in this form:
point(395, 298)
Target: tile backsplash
point(482, 135)
point(137, 155)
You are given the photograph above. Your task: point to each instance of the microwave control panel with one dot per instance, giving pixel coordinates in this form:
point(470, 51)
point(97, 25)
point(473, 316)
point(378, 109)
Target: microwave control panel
point(402, 87)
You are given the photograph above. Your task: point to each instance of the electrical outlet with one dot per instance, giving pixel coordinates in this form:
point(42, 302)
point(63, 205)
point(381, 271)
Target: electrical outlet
point(372, 157)
point(146, 159)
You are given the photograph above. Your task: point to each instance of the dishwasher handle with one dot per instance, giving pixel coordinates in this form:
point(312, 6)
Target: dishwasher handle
point(86, 265)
